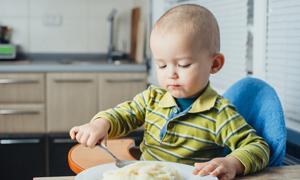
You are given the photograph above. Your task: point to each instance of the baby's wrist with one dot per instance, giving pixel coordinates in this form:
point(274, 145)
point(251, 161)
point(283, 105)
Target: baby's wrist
point(237, 164)
point(101, 122)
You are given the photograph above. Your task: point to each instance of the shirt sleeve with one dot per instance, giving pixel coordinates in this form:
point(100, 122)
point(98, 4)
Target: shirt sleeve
point(235, 133)
point(126, 116)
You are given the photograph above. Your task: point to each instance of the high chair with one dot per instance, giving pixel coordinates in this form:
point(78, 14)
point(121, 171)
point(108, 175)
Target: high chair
point(259, 104)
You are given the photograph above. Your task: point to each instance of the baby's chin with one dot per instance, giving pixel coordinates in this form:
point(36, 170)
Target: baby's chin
point(178, 95)
point(181, 94)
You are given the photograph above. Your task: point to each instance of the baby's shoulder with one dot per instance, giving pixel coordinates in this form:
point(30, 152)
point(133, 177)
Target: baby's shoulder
point(223, 105)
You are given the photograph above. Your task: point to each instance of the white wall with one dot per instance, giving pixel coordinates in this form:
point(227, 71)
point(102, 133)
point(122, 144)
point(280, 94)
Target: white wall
point(67, 26)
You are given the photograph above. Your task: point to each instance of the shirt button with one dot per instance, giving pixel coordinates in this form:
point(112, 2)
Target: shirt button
point(175, 110)
point(171, 125)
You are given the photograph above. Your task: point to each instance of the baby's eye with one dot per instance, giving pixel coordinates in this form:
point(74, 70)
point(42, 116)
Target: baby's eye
point(162, 66)
point(184, 65)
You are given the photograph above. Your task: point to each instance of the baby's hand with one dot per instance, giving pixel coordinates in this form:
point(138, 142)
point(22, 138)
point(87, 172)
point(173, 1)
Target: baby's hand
point(91, 133)
point(224, 168)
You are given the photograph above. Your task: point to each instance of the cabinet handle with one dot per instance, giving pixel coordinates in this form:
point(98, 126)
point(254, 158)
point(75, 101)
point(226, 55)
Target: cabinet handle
point(73, 80)
point(15, 112)
point(18, 81)
point(19, 141)
point(64, 140)
point(124, 80)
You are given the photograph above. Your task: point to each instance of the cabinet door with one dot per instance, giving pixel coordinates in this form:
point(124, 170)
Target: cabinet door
point(58, 148)
point(22, 118)
point(115, 88)
point(71, 100)
point(22, 158)
point(22, 88)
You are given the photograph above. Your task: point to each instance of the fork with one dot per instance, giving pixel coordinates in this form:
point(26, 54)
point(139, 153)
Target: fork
point(119, 163)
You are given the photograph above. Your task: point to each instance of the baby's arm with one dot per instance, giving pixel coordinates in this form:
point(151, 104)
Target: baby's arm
point(235, 133)
point(114, 122)
point(224, 168)
point(126, 116)
point(91, 133)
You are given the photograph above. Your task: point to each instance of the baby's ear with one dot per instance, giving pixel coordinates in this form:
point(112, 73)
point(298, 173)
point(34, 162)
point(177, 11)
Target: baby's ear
point(218, 62)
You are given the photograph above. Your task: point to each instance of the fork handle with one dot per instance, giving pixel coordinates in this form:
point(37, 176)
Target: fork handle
point(109, 152)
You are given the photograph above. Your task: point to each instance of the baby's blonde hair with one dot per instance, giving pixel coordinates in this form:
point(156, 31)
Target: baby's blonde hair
point(192, 18)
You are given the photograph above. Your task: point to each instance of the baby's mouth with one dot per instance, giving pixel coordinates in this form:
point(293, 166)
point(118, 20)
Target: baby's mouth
point(174, 86)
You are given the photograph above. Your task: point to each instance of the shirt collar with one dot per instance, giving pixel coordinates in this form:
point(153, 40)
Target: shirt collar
point(204, 102)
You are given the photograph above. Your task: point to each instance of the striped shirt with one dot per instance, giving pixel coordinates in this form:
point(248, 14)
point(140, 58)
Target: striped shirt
point(197, 134)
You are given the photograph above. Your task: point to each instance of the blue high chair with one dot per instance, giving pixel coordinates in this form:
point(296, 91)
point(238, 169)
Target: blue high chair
point(259, 104)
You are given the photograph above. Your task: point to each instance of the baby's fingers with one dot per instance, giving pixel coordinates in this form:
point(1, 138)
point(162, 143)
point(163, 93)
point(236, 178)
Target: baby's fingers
point(73, 132)
point(218, 171)
point(84, 138)
point(198, 167)
point(78, 136)
point(92, 141)
point(207, 169)
point(104, 141)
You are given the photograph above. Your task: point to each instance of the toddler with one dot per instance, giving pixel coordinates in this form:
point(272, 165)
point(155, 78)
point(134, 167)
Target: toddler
point(185, 120)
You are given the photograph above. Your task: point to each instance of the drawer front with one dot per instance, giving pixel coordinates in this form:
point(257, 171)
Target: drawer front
point(22, 88)
point(28, 118)
point(115, 88)
point(71, 100)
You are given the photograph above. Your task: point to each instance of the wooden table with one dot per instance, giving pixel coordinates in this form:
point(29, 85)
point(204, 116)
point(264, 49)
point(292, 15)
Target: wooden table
point(278, 173)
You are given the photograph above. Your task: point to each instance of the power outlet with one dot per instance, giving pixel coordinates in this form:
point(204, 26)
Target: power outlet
point(53, 20)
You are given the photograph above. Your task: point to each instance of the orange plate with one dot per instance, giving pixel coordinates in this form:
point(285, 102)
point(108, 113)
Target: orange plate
point(81, 158)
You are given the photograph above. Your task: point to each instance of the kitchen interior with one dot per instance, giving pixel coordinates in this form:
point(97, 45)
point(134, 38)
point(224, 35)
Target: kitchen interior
point(63, 61)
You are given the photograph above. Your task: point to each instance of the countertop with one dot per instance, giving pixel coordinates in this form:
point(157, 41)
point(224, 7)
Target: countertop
point(69, 66)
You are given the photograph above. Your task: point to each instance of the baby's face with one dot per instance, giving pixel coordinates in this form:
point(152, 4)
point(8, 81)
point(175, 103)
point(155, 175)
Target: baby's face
point(182, 67)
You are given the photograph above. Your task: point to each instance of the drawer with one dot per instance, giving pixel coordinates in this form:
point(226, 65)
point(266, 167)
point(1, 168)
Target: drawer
point(22, 88)
point(29, 118)
point(115, 88)
point(71, 100)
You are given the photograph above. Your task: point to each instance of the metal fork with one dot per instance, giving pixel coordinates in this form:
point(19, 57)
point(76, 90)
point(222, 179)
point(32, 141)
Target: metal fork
point(119, 163)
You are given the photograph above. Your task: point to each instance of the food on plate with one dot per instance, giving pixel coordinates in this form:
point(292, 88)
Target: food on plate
point(144, 171)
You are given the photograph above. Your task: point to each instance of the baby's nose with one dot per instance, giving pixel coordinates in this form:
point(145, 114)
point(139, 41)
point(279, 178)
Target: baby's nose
point(172, 74)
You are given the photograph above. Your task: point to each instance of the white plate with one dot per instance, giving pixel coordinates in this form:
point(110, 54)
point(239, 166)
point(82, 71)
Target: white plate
point(95, 173)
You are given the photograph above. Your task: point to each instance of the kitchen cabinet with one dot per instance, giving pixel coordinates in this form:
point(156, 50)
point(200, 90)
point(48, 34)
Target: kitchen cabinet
point(22, 118)
point(38, 109)
point(71, 100)
point(22, 88)
point(22, 157)
point(22, 103)
point(54, 102)
point(59, 145)
point(115, 88)
point(74, 98)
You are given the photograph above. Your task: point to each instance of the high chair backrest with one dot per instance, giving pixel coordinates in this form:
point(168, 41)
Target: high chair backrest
point(259, 104)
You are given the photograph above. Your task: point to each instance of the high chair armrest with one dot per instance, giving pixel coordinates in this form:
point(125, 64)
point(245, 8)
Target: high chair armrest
point(81, 157)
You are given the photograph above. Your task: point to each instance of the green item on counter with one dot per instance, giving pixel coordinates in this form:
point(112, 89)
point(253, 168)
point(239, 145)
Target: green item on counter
point(7, 49)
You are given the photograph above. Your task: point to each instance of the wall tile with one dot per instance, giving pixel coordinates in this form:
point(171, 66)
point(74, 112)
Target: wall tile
point(98, 11)
point(13, 8)
point(98, 35)
point(67, 26)
point(65, 8)
point(70, 37)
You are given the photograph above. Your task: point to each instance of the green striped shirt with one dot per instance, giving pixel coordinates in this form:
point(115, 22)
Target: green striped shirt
point(198, 134)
